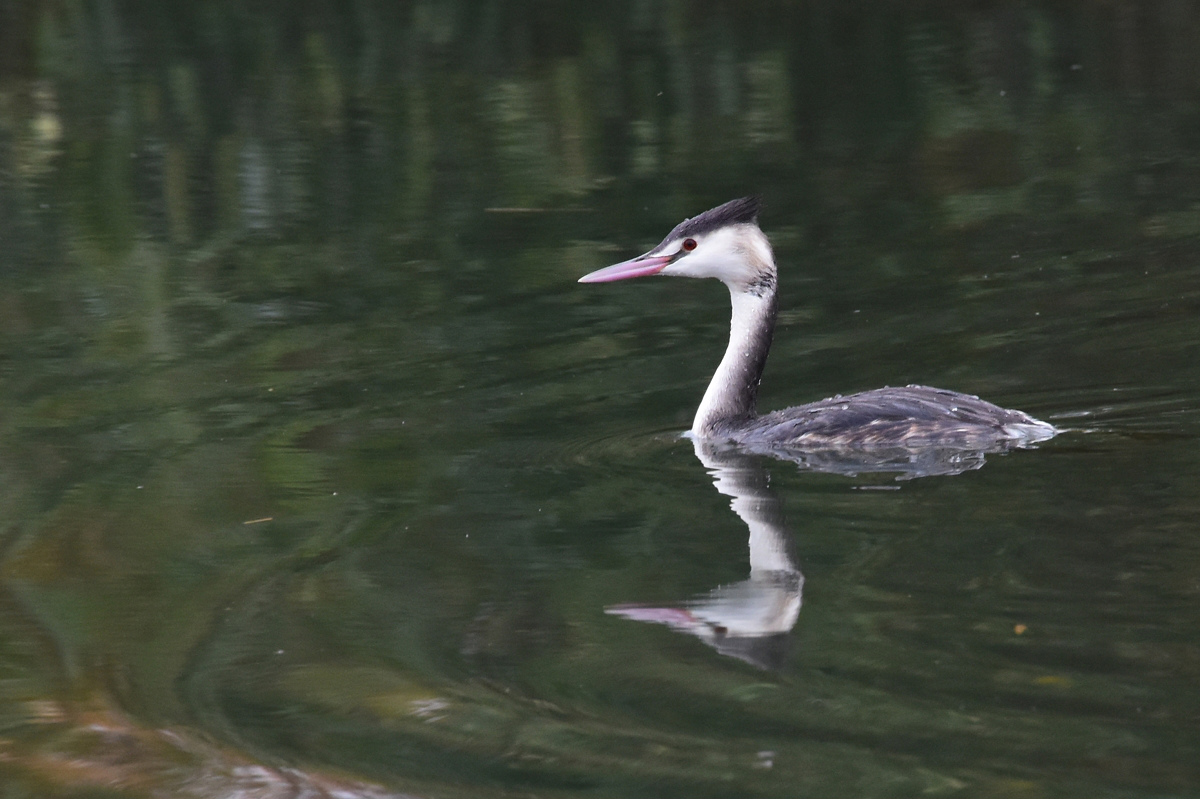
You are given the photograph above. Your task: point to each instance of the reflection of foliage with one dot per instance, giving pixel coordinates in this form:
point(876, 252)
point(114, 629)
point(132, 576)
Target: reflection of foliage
point(84, 751)
point(503, 108)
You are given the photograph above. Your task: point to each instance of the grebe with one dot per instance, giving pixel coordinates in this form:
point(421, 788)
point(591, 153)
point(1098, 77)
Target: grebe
point(726, 243)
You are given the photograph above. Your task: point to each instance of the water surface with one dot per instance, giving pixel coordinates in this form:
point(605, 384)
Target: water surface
point(321, 473)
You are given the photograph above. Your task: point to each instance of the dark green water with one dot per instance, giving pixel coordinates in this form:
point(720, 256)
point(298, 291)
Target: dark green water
point(319, 471)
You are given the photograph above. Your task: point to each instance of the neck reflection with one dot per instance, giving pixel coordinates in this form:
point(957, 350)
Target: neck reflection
point(749, 620)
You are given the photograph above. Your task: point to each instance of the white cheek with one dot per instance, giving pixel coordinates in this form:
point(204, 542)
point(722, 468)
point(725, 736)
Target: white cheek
point(725, 267)
point(693, 266)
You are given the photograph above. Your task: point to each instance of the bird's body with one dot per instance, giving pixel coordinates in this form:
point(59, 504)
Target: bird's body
point(726, 243)
point(912, 416)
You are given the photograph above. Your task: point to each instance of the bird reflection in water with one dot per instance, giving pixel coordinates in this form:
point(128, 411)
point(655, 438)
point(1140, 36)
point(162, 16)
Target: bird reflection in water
point(751, 620)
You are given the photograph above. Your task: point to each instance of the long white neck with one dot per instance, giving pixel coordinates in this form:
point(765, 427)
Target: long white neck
point(731, 394)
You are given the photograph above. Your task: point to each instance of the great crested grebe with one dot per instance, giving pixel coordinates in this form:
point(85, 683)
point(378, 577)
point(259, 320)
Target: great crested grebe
point(726, 243)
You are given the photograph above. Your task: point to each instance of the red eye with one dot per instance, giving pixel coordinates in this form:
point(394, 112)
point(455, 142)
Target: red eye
point(689, 244)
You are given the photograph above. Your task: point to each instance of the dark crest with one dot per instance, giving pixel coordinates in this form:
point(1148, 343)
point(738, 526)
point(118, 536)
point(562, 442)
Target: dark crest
point(734, 212)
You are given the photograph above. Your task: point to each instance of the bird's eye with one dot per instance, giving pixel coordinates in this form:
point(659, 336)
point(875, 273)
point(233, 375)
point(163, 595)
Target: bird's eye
point(689, 244)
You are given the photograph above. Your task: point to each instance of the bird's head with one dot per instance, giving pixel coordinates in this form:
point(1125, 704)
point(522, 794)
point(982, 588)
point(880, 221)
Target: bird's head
point(724, 242)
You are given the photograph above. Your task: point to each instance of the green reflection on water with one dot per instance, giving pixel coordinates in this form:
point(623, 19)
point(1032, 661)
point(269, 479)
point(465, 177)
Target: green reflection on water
point(314, 456)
